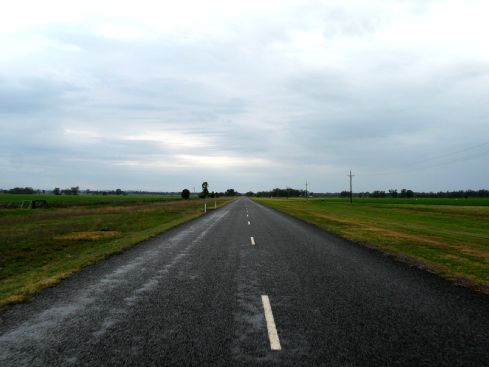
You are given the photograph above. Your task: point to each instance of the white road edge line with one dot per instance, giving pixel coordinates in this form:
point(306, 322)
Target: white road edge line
point(272, 329)
point(253, 241)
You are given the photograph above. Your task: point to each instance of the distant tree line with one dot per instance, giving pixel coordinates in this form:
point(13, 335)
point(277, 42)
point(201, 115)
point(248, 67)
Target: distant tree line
point(393, 193)
point(105, 192)
point(454, 194)
point(152, 193)
point(228, 192)
point(210, 194)
point(75, 190)
point(277, 192)
point(405, 193)
point(21, 190)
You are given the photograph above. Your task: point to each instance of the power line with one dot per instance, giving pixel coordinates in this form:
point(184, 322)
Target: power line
point(423, 166)
point(460, 159)
point(451, 153)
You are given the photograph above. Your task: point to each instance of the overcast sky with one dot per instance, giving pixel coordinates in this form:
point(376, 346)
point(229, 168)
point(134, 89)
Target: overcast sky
point(251, 95)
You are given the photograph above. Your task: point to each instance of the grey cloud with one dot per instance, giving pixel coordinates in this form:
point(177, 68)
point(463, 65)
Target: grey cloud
point(30, 95)
point(325, 87)
point(379, 108)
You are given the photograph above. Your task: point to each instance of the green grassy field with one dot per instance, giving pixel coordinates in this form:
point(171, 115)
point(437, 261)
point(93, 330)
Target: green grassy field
point(414, 201)
point(40, 247)
point(68, 200)
point(450, 240)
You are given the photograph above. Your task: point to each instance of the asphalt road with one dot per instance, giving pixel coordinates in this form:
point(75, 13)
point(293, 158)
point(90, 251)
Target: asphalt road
point(196, 296)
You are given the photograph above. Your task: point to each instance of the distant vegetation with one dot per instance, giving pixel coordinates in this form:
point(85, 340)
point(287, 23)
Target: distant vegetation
point(20, 190)
point(73, 191)
point(277, 192)
point(411, 194)
point(206, 194)
point(287, 192)
point(393, 194)
point(205, 190)
point(185, 194)
point(77, 191)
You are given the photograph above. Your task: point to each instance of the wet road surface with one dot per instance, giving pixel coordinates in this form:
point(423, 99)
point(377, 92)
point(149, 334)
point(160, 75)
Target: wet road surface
point(245, 285)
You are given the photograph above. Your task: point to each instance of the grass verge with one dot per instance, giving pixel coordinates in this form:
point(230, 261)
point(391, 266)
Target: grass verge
point(38, 248)
point(449, 240)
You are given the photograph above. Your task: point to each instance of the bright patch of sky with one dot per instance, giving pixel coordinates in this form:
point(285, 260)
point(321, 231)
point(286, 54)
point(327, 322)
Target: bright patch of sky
point(251, 95)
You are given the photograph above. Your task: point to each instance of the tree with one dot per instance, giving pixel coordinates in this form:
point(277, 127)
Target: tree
point(205, 190)
point(378, 194)
point(57, 191)
point(75, 190)
point(406, 193)
point(21, 190)
point(230, 192)
point(185, 194)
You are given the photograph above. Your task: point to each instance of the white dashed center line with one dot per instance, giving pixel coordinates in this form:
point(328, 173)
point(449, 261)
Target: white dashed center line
point(249, 223)
point(272, 329)
point(253, 241)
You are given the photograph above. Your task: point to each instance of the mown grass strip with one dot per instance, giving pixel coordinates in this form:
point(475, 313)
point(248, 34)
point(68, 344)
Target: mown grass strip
point(449, 240)
point(39, 248)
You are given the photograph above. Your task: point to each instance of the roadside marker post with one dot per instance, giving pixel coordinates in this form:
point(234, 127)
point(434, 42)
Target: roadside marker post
point(205, 208)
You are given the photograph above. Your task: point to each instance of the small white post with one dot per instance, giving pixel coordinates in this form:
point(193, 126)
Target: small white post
point(205, 208)
point(215, 204)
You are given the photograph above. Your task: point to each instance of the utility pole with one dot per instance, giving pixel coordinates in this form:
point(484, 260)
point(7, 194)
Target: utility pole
point(351, 192)
point(307, 196)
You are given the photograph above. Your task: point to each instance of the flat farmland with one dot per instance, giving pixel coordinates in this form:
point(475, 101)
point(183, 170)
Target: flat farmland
point(40, 247)
point(443, 236)
point(416, 201)
point(68, 200)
